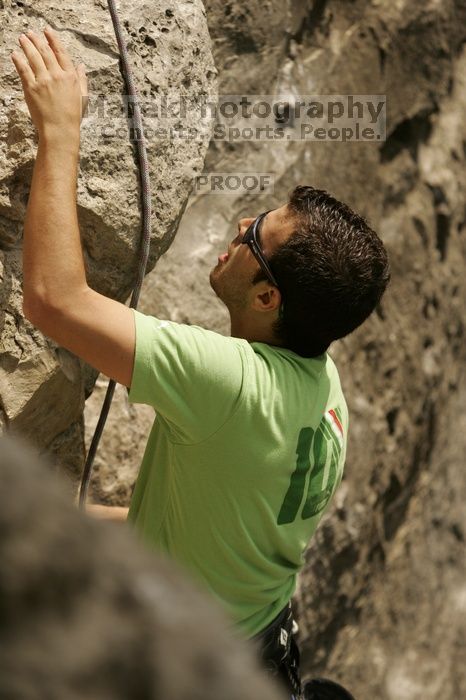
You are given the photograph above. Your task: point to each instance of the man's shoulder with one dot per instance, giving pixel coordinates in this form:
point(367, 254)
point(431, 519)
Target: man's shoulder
point(279, 355)
point(178, 331)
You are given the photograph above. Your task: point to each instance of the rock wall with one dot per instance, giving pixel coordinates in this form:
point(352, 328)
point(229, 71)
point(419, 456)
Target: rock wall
point(382, 598)
point(42, 387)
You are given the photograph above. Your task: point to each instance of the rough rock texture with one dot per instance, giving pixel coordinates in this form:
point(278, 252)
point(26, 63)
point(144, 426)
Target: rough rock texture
point(381, 601)
point(43, 388)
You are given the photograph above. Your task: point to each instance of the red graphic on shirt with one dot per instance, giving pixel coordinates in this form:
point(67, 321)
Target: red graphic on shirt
point(335, 424)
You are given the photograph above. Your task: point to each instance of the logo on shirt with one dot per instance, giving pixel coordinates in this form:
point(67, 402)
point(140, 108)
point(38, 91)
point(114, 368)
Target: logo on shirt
point(318, 459)
point(335, 424)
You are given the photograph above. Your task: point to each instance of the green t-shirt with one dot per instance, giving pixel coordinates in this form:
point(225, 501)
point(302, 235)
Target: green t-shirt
point(247, 447)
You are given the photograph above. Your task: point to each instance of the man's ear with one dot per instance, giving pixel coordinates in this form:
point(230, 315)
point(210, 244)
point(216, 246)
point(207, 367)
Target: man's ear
point(267, 300)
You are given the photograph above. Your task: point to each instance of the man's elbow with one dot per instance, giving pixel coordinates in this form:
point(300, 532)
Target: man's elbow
point(41, 309)
point(33, 309)
point(44, 316)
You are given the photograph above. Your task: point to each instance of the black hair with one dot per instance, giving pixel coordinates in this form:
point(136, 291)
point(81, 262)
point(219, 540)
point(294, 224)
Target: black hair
point(332, 272)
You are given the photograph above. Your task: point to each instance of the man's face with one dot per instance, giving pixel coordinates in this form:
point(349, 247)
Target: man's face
point(231, 278)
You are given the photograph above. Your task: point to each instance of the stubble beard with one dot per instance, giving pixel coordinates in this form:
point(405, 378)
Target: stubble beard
point(227, 291)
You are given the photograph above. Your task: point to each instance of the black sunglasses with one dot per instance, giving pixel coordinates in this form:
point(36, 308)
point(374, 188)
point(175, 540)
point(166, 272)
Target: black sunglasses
point(251, 237)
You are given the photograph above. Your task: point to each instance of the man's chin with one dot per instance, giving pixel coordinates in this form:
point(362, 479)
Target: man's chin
point(213, 280)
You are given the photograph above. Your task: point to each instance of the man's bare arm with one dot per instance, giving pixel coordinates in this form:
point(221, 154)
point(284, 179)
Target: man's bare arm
point(57, 298)
point(113, 513)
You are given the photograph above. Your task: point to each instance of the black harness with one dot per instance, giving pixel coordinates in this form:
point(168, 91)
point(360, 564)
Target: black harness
point(280, 655)
point(279, 651)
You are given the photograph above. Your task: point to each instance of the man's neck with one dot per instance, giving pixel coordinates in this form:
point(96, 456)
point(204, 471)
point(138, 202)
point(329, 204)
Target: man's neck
point(249, 329)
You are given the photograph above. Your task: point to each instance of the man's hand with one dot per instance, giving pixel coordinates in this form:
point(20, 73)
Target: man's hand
point(55, 91)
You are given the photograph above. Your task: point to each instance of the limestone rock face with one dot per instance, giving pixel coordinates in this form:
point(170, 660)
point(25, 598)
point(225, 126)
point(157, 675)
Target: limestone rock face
point(382, 597)
point(42, 387)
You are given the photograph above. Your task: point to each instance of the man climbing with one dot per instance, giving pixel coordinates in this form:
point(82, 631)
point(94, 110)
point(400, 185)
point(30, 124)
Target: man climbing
point(249, 440)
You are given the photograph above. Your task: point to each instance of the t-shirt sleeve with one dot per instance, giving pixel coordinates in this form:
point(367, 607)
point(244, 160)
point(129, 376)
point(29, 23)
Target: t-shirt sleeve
point(191, 376)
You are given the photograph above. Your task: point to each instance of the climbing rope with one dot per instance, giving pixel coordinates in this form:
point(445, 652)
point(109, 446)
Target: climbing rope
point(143, 166)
